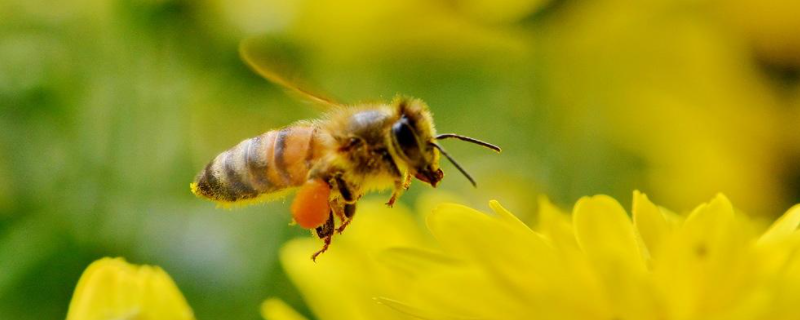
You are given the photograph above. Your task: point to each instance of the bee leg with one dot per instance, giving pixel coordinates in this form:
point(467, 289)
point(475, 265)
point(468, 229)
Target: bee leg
point(349, 212)
point(399, 187)
point(349, 203)
point(338, 209)
point(324, 232)
point(395, 194)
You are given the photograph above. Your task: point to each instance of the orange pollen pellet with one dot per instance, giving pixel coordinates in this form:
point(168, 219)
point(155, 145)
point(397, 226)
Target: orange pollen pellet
point(310, 208)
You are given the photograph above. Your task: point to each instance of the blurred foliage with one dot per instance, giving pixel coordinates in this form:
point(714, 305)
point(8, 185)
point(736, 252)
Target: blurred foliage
point(109, 108)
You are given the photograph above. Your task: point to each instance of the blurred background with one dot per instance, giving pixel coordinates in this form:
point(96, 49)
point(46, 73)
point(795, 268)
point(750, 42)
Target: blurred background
point(109, 108)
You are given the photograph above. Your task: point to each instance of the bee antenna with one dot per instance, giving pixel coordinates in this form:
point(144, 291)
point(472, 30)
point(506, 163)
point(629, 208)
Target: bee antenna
point(468, 139)
point(453, 161)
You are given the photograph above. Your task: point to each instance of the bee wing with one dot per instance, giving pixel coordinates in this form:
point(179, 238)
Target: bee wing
point(271, 59)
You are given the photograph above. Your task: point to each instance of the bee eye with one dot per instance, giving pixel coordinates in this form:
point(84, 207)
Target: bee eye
point(406, 139)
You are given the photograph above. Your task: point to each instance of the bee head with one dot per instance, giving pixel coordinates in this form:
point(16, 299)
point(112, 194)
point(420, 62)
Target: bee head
point(412, 135)
point(414, 140)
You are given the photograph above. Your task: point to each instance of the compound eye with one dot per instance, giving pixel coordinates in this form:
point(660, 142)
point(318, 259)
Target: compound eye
point(406, 139)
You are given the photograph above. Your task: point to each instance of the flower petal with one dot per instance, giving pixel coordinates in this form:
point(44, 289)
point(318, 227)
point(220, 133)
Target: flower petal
point(428, 201)
point(704, 267)
point(605, 233)
point(377, 227)
point(276, 309)
point(331, 277)
point(650, 223)
point(412, 261)
point(556, 225)
point(520, 265)
point(783, 227)
point(416, 312)
point(463, 292)
point(114, 289)
point(342, 272)
point(785, 281)
point(472, 235)
point(507, 216)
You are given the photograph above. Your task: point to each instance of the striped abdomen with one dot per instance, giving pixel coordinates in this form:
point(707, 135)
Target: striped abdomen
point(267, 163)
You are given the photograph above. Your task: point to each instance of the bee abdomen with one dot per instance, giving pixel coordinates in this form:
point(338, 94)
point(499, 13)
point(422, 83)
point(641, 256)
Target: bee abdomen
point(264, 164)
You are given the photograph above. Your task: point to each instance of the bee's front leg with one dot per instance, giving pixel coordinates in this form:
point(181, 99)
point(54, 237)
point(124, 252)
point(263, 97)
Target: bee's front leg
point(400, 185)
point(407, 183)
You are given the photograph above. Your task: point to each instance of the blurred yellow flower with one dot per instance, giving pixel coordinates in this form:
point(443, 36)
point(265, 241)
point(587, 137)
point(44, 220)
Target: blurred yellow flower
point(114, 289)
point(597, 263)
point(770, 26)
point(679, 92)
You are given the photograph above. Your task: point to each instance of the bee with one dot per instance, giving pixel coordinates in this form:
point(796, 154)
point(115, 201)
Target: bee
point(330, 162)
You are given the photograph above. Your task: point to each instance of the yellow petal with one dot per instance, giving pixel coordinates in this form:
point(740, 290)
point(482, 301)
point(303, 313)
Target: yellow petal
point(114, 289)
point(705, 268)
point(428, 201)
point(276, 309)
point(650, 223)
point(786, 284)
point(469, 234)
point(524, 268)
point(412, 261)
point(475, 293)
point(376, 227)
point(416, 312)
point(719, 209)
point(714, 230)
point(778, 259)
point(556, 225)
point(464, 292)
point(606, 234)
point(329, 277)
point(343, 281)
point(508, 217)
point(783, 227)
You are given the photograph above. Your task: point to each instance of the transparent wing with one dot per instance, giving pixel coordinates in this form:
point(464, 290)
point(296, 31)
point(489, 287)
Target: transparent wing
point(273, 60)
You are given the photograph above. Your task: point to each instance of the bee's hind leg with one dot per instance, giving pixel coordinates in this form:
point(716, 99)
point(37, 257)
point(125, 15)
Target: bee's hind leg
point(337, 206)
point(324, 232)
point(349, 203)
point(349, 212)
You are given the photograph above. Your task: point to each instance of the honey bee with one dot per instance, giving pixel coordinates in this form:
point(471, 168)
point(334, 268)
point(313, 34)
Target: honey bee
point(330, 162)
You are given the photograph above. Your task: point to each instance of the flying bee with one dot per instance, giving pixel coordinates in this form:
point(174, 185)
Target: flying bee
point(330, 162)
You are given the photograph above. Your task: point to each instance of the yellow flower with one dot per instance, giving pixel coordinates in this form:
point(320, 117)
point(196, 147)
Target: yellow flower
point(344, 280)
point(597, 263)
point(114, 289)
